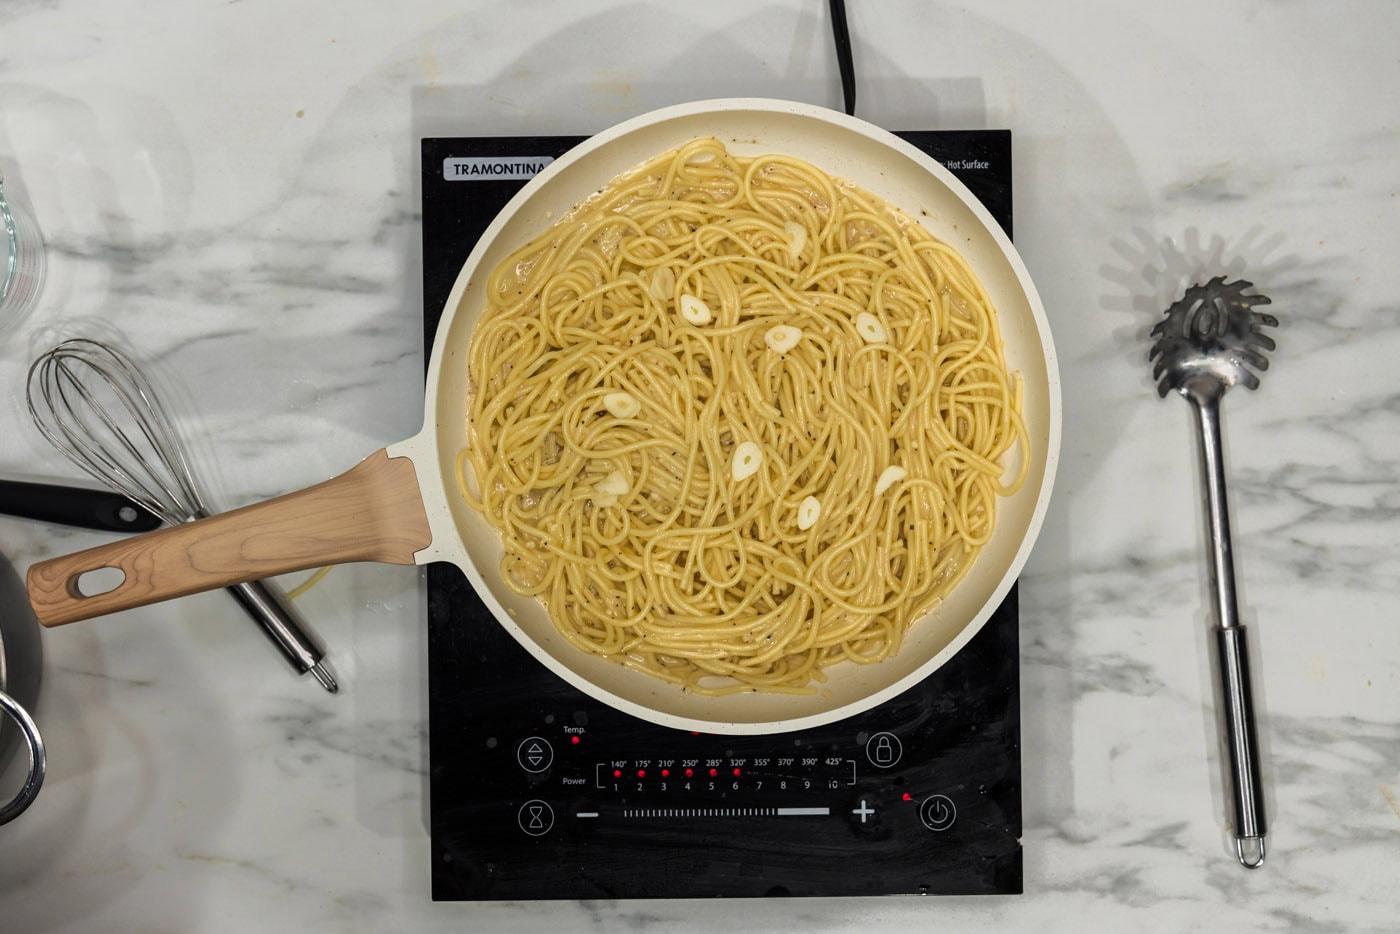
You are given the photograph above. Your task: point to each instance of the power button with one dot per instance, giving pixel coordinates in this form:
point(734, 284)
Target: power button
point(937, 812)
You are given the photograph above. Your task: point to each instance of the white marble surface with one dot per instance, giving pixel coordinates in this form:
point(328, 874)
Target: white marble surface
point(231, 188)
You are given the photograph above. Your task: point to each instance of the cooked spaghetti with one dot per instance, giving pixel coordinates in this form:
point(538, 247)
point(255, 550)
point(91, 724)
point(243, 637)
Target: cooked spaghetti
point(737, 421)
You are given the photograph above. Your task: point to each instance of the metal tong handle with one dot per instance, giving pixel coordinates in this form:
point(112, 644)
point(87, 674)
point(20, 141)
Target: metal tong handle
point(1246, 789)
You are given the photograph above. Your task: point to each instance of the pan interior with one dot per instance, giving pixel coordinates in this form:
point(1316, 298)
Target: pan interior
point(881, 164)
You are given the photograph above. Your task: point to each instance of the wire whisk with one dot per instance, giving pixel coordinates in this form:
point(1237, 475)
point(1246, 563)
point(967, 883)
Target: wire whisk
point(97, 408)
point(80, 385)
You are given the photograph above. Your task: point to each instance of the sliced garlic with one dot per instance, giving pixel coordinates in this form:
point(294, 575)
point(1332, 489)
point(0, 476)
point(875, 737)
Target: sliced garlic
point(782, 337)
point(604, 499)
point(621, 404)
point(695, 311)
point(663, 283)
point(807, 513)
point(747, 459)
point(797, 238)
point(614, 483)
point(869, 327)
point(889, 477)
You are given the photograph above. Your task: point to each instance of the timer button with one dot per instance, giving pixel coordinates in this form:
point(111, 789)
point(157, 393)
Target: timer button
point(937, 812)
point(535, 817)
point(534, 754)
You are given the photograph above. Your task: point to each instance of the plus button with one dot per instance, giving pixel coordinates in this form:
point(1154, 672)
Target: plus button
point(865, 810)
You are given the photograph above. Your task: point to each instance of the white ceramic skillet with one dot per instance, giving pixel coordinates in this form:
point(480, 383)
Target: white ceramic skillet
point(400, 504)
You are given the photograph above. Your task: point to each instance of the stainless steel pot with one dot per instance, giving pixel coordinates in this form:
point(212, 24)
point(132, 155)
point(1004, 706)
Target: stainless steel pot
point(21, 667)
point(21, 650)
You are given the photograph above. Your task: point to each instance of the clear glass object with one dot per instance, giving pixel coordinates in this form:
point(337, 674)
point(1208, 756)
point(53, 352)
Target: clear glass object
point(22, 271)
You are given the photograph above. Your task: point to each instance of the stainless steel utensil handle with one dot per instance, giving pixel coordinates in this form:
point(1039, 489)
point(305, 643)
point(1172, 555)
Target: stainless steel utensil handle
point(1246, 790)
point(282, 628)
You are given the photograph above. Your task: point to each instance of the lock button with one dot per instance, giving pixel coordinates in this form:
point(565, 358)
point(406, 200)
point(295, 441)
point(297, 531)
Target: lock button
point(883, 750)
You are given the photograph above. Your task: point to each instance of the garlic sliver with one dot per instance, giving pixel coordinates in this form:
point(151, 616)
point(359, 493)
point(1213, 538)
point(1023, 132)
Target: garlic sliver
point(748, 457)
point(695, 311)
point(889, 477)
point(782, 337)
point(869, 328)
point(663, 283)
point(797, 238)
point(614, 483)
point(621, 404)
point(807, 513)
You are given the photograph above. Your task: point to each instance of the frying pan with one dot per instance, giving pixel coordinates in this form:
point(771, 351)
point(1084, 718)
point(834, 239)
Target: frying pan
point(400, 504)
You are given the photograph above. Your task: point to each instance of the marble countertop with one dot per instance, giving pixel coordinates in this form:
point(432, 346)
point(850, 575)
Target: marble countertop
point(232, 189)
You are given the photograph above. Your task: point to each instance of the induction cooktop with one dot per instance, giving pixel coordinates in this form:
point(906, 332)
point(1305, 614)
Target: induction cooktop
point(538, 791)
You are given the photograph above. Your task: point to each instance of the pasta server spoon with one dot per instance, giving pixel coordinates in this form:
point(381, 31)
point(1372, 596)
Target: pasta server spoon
point(1208, 342)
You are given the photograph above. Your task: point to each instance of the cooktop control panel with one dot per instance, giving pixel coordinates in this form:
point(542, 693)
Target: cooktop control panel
point(698, 781)
point(533, 781)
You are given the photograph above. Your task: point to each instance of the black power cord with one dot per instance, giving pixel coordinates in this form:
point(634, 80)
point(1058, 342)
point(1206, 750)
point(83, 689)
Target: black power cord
point(842, 34)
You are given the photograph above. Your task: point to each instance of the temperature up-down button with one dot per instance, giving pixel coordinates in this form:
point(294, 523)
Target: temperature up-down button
point(534, 754)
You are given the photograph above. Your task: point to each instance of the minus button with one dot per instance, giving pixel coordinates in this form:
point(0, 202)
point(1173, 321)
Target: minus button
point(586, 814)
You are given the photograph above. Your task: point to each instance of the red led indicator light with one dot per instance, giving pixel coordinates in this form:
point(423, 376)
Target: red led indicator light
point(689, 773)
point(641, 773)
point(714, 772)
point(738, 772)
point(574, 740)
point(617, 773)
point(908, 796)
point(665, 773)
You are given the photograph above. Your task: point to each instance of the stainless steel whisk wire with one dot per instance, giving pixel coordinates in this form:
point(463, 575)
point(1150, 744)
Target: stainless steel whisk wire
point(179, 498)
point(83, 395)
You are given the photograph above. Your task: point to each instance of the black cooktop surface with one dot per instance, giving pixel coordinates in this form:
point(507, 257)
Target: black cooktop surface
point(539, 791)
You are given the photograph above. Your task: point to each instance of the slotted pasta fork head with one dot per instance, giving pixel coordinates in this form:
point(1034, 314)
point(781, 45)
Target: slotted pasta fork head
point(1210, 340)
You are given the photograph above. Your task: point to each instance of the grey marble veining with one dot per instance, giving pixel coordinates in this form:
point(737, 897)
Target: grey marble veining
point(231, 191)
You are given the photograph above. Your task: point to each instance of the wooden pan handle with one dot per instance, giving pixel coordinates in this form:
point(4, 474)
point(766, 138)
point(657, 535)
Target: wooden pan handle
point(372, 512)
